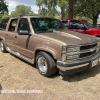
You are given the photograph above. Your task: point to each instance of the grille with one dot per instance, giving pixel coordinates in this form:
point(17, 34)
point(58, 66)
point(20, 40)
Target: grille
point(85, 47)
point(87, 54)
point(88, 46)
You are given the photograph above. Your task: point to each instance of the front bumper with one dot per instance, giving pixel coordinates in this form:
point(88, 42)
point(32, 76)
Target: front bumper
point(67, 68)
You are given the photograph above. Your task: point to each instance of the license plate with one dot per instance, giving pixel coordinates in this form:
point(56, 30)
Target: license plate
point(94, 63)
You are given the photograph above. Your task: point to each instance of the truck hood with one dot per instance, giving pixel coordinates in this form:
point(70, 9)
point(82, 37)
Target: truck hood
point(70, 37)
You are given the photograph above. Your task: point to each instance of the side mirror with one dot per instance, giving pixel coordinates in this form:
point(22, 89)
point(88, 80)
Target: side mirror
point(23, 32)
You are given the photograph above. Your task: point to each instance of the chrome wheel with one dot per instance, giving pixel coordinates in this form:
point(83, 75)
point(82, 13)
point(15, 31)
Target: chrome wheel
point(42, 64)
point(1, 45)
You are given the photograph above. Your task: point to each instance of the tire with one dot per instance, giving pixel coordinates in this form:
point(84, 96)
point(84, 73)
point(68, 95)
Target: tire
point(2, 46)
point(45, 64)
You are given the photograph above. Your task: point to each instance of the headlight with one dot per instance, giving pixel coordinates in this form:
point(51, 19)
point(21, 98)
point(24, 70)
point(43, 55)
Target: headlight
point(70, 57)
point(73, 49)
point(66, 50)
point(70, 49)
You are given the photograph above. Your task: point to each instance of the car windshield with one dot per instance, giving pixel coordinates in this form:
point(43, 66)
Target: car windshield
point(42, 25)
point(87, 24)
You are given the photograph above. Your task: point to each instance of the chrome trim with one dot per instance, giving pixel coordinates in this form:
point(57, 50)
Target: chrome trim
point(19, 54)
point(83, 58)
point(65, 65)
point(82, 51)
point(73, 67)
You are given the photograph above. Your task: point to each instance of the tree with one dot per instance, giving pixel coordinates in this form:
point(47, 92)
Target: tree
point(63, 4)
point(88, 8)
point(5, 16)
point(3, 6)
point(52, 4)
point(43, 12)
point(14, 13)
point(70, 9)
point(24, 10)
point(1, 16)
point(49, 12)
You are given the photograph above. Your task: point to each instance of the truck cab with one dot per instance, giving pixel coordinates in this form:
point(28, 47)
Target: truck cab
point(81, 26)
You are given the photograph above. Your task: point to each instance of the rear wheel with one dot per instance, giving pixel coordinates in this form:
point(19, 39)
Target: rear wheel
point(45, 64)
point(2, 46)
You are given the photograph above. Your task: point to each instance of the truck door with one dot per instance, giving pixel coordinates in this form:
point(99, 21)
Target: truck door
point(23, 43)
point(10, 33)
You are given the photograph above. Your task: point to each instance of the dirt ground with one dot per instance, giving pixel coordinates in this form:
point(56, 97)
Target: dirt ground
point(16, 74)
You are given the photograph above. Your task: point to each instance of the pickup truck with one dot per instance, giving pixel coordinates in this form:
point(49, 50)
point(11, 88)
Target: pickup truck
point(48, 44)
point(81, 26)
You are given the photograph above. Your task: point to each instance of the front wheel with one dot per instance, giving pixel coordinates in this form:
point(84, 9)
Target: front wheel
point(2, 46)
point(45, 64)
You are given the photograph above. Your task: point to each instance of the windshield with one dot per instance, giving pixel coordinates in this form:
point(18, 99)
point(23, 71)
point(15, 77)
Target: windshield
point(41, 25)
point(88, 24)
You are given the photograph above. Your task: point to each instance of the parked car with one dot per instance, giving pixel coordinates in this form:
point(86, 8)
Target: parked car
point(47, 42)
point(81, 26)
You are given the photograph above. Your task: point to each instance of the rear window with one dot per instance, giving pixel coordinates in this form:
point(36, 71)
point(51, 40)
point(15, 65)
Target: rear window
point(3, 24)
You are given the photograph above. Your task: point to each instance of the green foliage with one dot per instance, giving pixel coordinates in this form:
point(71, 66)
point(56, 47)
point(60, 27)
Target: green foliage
point(14, 13)
point(85, 18)
point(23, 10)
point(88, 8)
point(5, 16)
point(46, 3)
point(50, 13)
point(1, 16)
point(57, 17)
point(63, 3)
point(3, 6)
point(47, 8)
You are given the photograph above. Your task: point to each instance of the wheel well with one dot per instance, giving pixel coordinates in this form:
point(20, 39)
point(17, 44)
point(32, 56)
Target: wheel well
point(37, 51)
point(1, 39)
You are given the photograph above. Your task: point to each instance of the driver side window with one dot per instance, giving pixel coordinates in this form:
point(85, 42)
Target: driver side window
point(23, 25)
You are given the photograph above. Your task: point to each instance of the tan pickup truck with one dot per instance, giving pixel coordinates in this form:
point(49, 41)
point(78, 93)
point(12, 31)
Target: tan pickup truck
point(47, 42)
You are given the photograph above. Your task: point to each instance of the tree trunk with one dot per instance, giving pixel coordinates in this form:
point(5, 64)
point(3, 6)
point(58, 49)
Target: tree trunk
point(70, 9)
point(62, 13)
point(95, 20)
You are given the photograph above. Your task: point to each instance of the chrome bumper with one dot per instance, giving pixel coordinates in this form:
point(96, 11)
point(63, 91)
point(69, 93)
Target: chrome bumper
point(65, 66)
point(73, 67)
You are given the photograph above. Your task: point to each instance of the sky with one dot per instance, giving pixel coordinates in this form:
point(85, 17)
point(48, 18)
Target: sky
point(13, 3)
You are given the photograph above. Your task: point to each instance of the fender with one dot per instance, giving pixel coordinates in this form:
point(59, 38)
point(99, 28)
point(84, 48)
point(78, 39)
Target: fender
point(47, 49)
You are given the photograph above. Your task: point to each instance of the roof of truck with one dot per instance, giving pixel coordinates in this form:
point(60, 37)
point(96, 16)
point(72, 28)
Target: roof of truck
point(30, 17)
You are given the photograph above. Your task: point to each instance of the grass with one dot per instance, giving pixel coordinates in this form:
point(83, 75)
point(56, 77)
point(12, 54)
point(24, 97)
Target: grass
point(16, 74)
